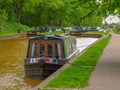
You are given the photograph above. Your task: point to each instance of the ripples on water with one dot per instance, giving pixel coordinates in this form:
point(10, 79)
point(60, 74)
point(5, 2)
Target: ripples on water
point(12, 54)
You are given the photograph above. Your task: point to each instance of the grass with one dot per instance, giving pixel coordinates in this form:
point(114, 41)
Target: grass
point(96, 32)
point(10, 28)
point(117, 31)
point(77, 75)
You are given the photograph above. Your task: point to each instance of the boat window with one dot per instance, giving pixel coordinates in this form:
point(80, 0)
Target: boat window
point(58, 51)
point(72, 48)
point(57, 56)
point(49, 50)
point(42, 47)
point(34, 50)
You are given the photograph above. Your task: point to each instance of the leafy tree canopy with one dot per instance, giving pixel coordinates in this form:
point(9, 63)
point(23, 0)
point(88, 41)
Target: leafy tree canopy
point(58, 12)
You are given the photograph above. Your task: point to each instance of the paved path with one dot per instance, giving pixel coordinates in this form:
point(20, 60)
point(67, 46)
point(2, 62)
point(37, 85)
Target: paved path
point(106, 75)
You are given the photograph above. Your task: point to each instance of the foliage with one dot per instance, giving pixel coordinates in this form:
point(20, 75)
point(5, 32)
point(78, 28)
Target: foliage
point(107, 7)
point(11, 28)
point(49, 12)
point(117, 28)
point(58, 12)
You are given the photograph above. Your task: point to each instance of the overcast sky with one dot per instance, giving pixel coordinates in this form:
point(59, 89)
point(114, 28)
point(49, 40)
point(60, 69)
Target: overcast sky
point(111, 19)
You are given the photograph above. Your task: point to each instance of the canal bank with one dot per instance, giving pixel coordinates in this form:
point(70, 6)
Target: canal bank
point(13, 36)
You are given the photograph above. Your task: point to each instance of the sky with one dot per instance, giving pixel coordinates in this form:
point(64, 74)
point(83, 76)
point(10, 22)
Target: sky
point(111, 19)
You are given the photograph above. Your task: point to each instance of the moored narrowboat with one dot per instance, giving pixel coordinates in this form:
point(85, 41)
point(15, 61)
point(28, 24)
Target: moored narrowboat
point(48, 53)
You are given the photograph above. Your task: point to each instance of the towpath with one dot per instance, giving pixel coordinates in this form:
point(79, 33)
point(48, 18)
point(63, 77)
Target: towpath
point(106, 75)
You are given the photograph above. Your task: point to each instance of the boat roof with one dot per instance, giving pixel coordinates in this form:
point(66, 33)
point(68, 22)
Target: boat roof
point(50, 37)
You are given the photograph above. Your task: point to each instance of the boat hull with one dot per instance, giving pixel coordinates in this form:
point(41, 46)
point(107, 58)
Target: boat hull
point(41, 69)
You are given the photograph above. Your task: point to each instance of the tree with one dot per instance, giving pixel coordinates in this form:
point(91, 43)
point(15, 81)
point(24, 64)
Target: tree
point(17, 6)
point(107, 7)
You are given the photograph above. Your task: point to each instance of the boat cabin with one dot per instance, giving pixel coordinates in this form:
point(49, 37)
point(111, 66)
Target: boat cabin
point(51, 46)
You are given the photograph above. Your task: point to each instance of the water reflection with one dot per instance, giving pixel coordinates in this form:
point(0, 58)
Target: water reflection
point(29, 82)
point(12, 54)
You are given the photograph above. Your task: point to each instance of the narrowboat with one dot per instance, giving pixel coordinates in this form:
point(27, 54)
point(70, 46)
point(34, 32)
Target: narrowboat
point(48, 53)
point(34, 33)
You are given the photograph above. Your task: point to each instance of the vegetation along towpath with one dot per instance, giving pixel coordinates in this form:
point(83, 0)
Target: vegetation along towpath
point(106, 75)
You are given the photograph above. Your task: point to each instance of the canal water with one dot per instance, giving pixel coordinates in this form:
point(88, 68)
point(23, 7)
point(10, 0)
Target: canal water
point(12, 54)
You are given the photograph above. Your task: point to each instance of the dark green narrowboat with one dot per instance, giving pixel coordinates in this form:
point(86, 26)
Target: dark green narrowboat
point(48, 53)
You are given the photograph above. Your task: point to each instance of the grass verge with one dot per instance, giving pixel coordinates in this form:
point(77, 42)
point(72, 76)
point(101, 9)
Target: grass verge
point(97, 32)
point(117, 31)
point(10, 28)
point(78, 73)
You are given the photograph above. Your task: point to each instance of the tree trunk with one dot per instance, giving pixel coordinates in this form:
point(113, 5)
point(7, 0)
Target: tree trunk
point(17, 7)
point(60, 22)
point(49, 21)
